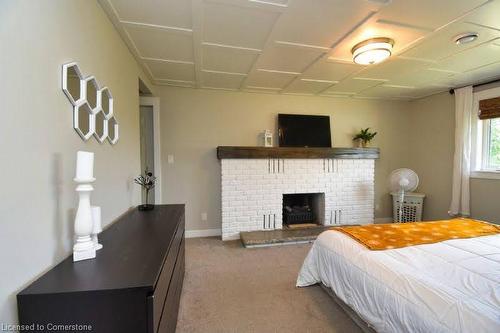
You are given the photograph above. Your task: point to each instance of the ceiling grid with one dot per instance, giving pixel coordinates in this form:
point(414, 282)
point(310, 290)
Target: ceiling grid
point(303, 47)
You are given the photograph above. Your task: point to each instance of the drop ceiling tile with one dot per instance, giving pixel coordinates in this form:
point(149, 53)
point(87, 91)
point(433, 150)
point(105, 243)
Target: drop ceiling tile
point(228, 59)
point(187, 84)
point(171, 71)
point(427, 13)
point(393, 68)
point(441, 44)
point(427, 91)
point(320, 22)
point(277, 2)
point(262, 90)
point(421, 77)
point(474, 76)
point(469, 59)
point(268, 79)
point(236, 25)
point(305, 86)
point(287, 58)
point(487, 15)
point(328, 70)
point(272, 5)
point(325, 94)
point(222, 81)
point(353, 86)
point(387, 91)
point(172, 13)
point(161, 44)
point(403, 37)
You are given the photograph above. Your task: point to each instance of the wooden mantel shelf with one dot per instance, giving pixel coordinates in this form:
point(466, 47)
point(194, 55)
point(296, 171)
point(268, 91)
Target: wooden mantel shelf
point(286, 152)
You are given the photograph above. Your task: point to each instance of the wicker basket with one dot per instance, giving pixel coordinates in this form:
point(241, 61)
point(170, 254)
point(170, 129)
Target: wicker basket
point(413, 206)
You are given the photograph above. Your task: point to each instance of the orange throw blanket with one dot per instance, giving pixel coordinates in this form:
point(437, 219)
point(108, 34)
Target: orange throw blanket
point(397, 235)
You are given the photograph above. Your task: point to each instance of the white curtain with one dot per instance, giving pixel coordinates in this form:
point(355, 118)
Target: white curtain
point(460, 198)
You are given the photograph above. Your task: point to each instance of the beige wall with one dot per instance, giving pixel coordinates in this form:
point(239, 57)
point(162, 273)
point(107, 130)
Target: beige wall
point(432, 145)
point(195, 122)
point(485, 194)
point(431, 133)
point(38, 145)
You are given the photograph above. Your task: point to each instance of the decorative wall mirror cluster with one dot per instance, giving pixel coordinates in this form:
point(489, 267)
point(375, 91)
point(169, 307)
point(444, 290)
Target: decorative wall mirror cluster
point(92, 106)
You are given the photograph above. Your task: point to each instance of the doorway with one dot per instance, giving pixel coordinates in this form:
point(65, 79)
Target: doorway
point(149, 120)
point(147, 143)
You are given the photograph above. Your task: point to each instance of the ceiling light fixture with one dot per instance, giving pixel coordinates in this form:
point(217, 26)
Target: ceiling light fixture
point(372, 51)
point(465, 38)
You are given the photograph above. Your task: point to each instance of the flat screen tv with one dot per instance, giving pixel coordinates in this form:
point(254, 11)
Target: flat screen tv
point(296, 130)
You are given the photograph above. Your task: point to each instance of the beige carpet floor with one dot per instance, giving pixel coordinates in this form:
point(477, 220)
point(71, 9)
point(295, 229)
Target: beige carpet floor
point(228, 288)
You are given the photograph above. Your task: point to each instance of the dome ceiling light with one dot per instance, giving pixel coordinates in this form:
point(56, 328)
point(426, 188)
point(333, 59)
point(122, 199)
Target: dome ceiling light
point(372, 51)
point(465, 38)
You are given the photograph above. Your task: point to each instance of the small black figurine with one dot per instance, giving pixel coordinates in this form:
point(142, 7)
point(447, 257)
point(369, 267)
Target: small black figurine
point(148, 182)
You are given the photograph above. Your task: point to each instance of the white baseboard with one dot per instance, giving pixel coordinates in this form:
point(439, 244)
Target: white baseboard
point(203, 233)
point(217, 232)
point(383, 220)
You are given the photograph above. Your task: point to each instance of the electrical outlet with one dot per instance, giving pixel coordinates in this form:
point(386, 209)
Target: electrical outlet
point(204, 216)
point(170, 159)
point(377, 207)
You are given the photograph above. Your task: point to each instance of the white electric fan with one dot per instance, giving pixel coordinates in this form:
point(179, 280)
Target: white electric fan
point(401, 181)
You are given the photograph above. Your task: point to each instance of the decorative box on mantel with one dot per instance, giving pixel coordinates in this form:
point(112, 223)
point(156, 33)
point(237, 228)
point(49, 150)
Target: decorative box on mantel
point(255, 179)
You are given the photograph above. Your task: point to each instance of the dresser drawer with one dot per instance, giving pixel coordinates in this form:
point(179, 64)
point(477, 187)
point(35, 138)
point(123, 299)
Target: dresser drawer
point(162, 285)
point(168, 320)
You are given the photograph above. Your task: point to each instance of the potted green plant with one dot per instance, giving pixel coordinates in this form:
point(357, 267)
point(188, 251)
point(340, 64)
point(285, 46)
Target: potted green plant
point(364, 137)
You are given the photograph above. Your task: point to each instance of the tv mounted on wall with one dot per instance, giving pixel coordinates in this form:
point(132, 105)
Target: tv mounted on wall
point(296, 130)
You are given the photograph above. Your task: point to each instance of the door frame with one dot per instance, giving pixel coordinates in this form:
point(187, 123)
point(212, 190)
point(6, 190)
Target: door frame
point(155, 103)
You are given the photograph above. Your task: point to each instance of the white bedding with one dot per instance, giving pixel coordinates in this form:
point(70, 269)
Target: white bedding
point(451, 286)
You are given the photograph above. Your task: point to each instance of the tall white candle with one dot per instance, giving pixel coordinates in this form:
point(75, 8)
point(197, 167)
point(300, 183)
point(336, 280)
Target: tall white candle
point(84, 165)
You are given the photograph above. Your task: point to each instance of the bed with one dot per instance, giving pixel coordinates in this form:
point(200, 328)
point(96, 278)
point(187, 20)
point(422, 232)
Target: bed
point(449, 286)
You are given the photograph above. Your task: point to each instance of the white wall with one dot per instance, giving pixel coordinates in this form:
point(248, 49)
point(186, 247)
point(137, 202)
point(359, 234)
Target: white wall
point(432, 138)
point(194, 122)
point(38, 145)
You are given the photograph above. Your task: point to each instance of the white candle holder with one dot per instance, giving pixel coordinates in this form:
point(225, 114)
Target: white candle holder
point(84, 246)
point(97, 226)
point(268, 138)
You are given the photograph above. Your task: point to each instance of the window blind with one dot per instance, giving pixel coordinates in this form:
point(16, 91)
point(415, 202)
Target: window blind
point(489, 108)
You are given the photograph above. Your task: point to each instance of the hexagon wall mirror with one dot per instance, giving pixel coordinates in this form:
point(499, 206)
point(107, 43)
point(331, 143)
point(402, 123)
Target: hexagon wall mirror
point(113, 134)
point(72, 83)
point(84, 121)
point(105, 102)
point(90, 89)
point(101, 127)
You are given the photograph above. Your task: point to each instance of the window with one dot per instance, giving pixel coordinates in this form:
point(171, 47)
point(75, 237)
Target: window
point(491, 144)
point(486, 135)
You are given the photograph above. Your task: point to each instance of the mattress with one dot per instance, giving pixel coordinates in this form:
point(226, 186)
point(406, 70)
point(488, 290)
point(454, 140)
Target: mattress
point(450, 286)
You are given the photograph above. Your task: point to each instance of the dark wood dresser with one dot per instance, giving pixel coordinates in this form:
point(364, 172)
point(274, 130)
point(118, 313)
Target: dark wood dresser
point(134, 284)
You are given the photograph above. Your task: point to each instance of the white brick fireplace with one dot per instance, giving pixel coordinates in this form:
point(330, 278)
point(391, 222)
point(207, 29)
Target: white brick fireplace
point(253, 188)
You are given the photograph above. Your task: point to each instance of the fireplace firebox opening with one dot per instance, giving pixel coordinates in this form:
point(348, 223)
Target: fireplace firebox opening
point(303, 209)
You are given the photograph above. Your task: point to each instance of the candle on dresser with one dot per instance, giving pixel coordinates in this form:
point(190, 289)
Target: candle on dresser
point(84, 246)
point(97, 226)
point(84, 165)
